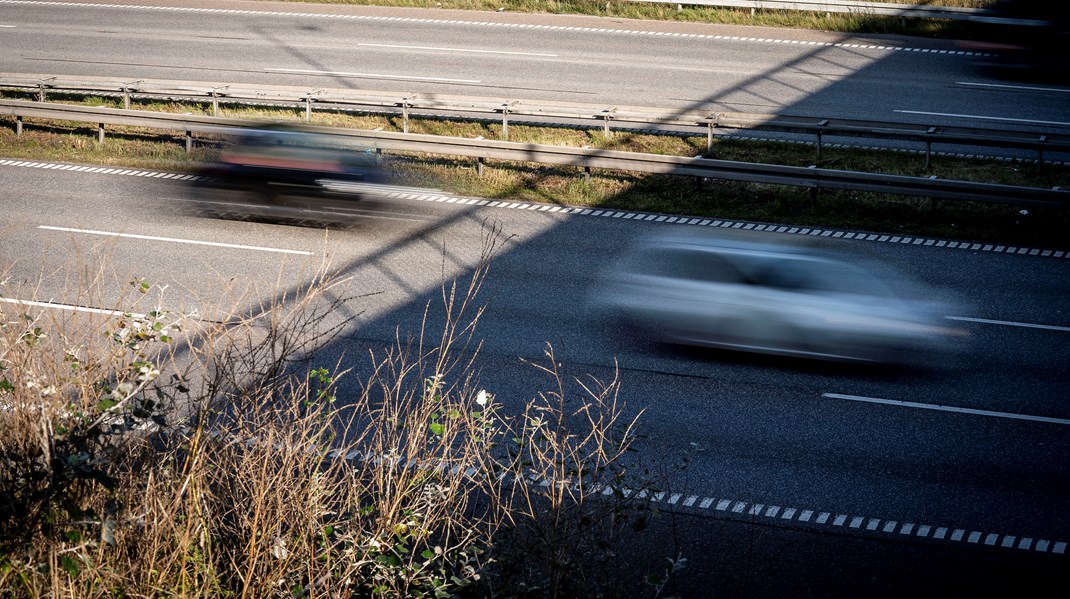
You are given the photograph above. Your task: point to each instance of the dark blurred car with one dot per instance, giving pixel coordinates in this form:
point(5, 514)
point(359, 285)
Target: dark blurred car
point(288, 172)
point(1022, 39)
point(751, 294)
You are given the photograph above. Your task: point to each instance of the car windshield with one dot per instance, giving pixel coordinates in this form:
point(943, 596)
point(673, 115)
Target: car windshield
point(819, 276)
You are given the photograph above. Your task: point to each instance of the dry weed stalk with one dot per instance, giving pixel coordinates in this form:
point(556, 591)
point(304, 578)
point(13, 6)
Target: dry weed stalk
point(224, 459)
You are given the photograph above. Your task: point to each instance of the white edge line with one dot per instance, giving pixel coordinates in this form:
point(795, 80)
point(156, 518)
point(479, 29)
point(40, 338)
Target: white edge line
point(1015, 87)
point(983, 118)
point(369, 75)
point(925, 406)
point(443, 49)
point(174, 240)
point(69, 307)
point(1026, 325)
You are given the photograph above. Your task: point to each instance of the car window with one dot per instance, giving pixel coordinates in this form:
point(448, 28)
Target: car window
point(819, 276)
point(687, 264)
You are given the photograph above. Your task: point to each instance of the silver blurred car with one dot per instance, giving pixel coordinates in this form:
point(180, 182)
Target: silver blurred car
point(752, 294)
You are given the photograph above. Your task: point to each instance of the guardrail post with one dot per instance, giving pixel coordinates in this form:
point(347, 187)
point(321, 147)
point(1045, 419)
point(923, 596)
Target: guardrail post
point(505, 121)
point(586, 174)
point(126, 92)
point(1040, 153)
point(813, 189)
point(607, 115)
point(479, 166)
point(215, 103)
point(929, 147)
point(100, 133)
point(189, 141)
point(40, 92)
point(308, 107)
point(405, 116)
point(18, 125)
point(820, 124)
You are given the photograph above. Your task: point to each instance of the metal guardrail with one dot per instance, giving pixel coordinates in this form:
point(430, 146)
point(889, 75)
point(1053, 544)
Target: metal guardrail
point(711, 123)
point(587, 158)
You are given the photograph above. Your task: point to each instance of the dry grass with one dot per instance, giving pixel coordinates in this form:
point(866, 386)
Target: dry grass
point(159, 455)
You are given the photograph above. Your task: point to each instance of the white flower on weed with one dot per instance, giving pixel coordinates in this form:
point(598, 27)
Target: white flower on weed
point(483, 397)
point(121, 390)
point(147, 373)
point(48, 391)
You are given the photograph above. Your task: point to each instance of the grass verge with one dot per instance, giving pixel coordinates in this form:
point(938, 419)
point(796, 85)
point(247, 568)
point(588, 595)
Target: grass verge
point(840, 22)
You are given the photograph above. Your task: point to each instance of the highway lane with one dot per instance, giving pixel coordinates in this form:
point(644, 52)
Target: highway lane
point(525, 56)
point(772, 433)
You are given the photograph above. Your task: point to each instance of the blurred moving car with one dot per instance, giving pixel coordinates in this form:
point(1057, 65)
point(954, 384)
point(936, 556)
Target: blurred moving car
point(1022, 39)
point(288, 172)
point(753, 294)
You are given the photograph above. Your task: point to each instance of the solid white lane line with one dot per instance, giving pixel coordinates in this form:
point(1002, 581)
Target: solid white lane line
point(175, 240)
point(439, 49)
point(1016, 87)
point(925, 406)
point(1026, 325)
point(984, 118)
point(69, 307)
point(370, 75)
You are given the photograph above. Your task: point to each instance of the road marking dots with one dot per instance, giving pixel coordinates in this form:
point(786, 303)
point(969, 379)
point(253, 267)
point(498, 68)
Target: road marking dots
point(733, 508)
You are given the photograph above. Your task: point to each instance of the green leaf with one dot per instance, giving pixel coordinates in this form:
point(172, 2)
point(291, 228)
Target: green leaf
point(436, 428)
point(70, 565)
point(6, 386)
point(427, 554)
point(106, 404)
